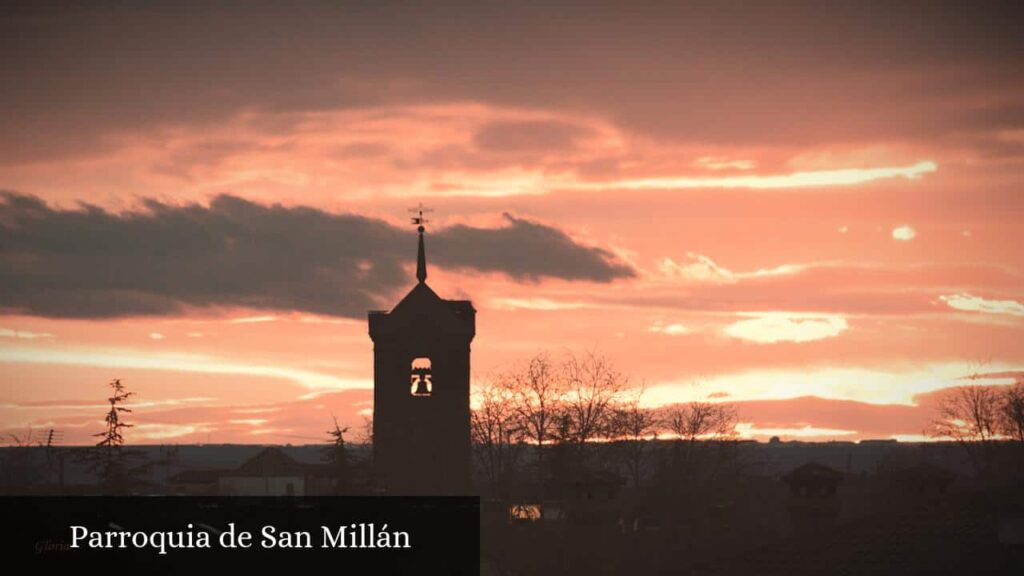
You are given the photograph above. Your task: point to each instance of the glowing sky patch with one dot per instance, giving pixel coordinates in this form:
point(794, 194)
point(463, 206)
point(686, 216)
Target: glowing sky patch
point(722, 163)
point(271, 431)
point(920, 438)
point(772, 327)
point(253, 319)
point(157, 432)
point(535, 304)
point(674, 329)
point(904, 233)
point(749, 430)
point(700, 268)
point(313, 381)
point(23, 334)
point(971, 303)
point(841, 177)
point(892, 385)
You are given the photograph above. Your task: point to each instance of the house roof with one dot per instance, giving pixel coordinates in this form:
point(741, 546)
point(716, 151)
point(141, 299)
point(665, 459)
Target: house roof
point(812, 472)
point(269, 462)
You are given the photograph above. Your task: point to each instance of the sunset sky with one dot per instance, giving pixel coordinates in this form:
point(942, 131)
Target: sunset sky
point(811, 210)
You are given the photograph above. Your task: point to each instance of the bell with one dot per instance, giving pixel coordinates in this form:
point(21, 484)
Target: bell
point(421, 385)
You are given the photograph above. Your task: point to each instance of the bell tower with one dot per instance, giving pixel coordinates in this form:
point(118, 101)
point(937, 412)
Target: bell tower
point(421, 412)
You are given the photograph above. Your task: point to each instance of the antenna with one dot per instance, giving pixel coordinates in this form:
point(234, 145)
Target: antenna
point(54, 437)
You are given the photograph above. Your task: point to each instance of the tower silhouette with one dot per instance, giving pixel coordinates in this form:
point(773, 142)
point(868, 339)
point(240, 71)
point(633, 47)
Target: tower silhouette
point(421, 412)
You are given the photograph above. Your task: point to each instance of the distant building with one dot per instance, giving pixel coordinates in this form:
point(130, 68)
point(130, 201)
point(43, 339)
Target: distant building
point(813, 479)
point(581, 496)
point(815, 505)
point(588, 497)
point(271, 472)
point(421, 411)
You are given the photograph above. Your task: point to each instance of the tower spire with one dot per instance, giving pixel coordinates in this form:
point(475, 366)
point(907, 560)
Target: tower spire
point(421, 260)
point(421, 256)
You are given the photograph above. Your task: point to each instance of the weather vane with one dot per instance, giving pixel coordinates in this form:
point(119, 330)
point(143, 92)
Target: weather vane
point(419, 220)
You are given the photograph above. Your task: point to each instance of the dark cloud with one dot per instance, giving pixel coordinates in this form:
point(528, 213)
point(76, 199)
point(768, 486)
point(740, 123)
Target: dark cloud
point(527, 250)
point(721, 72)
point(164, 258)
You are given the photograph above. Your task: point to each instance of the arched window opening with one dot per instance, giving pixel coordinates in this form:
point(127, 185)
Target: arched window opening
point(422, 383)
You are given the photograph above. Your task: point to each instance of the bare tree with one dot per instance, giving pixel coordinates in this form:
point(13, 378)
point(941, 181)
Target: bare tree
point(561, 407)
point(536, 395)
point(366, 431)
point(696, 421)
point(496, 431)
point(970, 415)
point(635, 427)
point(1012, 411)
point(592, 386)
point(21, 441)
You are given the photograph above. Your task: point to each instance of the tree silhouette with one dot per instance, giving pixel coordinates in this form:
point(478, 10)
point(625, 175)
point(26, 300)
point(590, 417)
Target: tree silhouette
point(366, 431)
point(970, 415)
point(336, 454)
point(21, 441)
point(109, 460)
point(496, 432)
point(1012, 411)
point(535, 392)
point(634, 427)
point(592, 389)
point(693, 422)
point(112, 437)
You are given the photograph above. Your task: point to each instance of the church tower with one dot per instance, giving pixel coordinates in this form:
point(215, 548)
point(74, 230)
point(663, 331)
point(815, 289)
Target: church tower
point(421, 430)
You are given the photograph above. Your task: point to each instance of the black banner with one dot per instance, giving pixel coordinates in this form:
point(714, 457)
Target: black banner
point(381, 535)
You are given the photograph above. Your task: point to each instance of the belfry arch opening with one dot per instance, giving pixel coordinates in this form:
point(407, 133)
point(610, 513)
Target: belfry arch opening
point(421, 378)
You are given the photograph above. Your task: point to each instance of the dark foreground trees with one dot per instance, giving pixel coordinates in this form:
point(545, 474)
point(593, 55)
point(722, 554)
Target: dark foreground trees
point(1011, 412)
point(544, 417)
point(497, 432)
point(982, 418)
point(635, 427)
point(693, 424)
